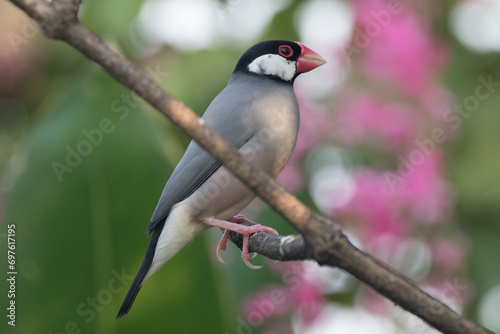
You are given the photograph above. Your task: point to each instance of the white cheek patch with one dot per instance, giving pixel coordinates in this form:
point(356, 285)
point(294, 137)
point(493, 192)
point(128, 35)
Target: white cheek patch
point(273, 65)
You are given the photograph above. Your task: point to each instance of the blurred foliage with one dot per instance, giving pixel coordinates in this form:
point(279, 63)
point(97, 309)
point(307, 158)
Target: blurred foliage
point(75, 233)
point(76, 236)
point(473, 166)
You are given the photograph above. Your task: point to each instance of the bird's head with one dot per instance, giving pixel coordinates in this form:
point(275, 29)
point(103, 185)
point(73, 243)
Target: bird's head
point(279, 60)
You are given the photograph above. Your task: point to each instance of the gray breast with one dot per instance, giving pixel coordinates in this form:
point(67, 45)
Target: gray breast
point(275, 114)
point(271, 110)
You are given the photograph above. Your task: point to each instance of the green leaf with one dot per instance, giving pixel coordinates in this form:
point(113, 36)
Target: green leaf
point(94, 171)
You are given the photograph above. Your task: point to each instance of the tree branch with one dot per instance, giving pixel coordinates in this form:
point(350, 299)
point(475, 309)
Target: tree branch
point(320, 239)
point(274, 247)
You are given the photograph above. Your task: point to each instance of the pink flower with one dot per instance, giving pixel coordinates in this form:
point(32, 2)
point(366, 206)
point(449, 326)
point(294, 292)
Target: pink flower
point(422, 197)
point(449, 253)
point(299, 295)
point(436, 101)
point(377, 123)
point(315, 122)
point(375, 205)
point(265, 305)
point(308, 300)
point(426, 195)
point(400, 49)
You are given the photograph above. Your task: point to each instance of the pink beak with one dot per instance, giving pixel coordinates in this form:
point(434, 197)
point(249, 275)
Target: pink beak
point(308, 59)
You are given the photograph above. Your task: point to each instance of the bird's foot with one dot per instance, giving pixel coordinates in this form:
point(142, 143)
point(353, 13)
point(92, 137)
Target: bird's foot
point(240, 219)
point(234, 224)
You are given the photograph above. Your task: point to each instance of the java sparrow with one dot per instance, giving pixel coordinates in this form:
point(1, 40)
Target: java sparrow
point(258, 114)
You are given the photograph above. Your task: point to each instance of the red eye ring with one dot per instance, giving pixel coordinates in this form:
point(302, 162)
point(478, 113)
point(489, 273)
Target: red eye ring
point(285, 51)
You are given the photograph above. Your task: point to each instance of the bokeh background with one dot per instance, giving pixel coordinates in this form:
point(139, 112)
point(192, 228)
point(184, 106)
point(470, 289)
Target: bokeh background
point(399, 142)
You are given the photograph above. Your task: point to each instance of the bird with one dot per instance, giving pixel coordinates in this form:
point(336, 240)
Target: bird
point(258, 113)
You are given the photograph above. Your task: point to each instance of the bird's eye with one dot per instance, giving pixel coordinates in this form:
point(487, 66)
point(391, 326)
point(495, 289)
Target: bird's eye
point(285, 51)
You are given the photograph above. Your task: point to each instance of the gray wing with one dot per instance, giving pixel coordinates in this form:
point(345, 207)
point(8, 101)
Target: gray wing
point(230, 115)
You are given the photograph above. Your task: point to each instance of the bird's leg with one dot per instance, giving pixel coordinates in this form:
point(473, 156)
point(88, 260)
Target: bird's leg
point(234, 224)
point(240, 219)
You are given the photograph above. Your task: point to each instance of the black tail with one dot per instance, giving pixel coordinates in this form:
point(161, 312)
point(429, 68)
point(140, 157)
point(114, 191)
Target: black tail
point(137, 283)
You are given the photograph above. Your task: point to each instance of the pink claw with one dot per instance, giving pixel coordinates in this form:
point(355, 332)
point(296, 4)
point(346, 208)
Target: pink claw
point(233, 224)
point(222, 245)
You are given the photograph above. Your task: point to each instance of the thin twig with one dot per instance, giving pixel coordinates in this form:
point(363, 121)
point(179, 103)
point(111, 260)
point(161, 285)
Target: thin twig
point(320, 239)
